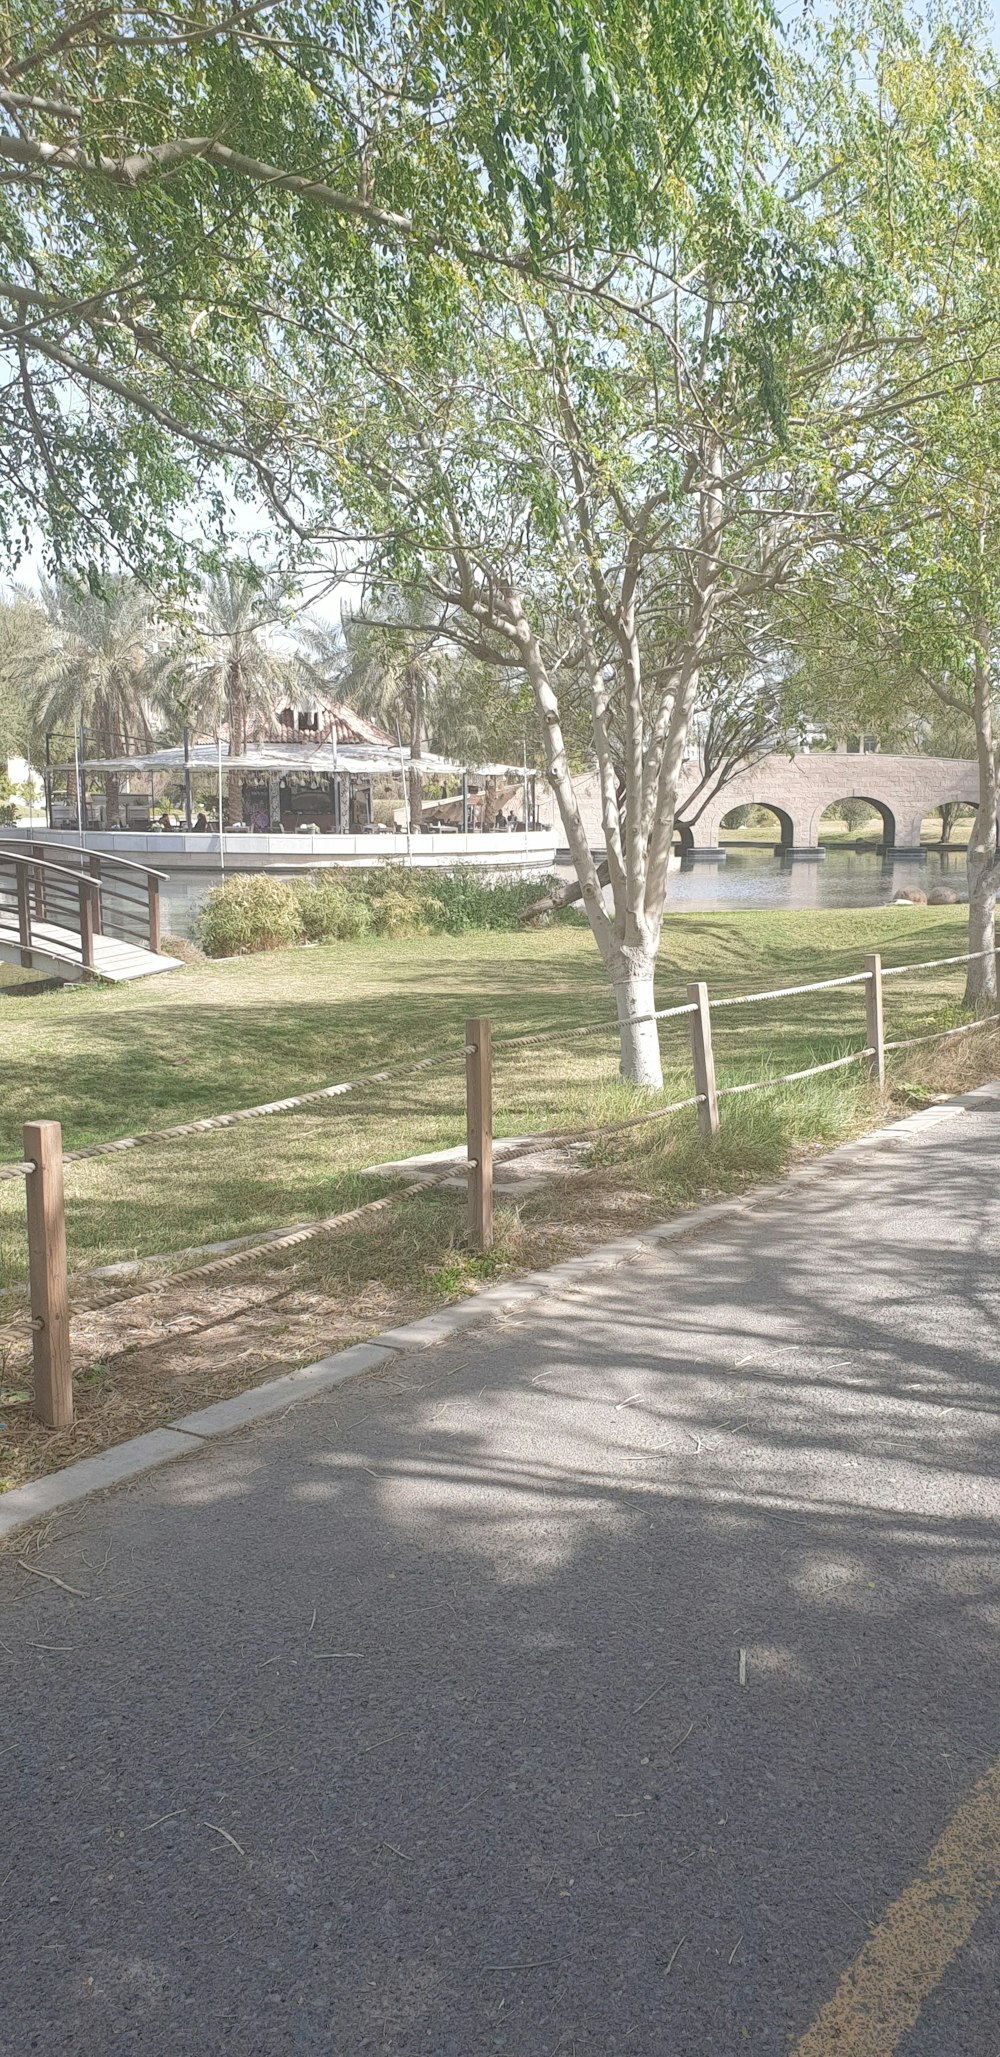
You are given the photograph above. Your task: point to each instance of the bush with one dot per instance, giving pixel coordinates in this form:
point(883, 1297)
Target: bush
point(336, 906)
point(331, 908)
point(470, 901)
point(402, 904)
point(249, 913)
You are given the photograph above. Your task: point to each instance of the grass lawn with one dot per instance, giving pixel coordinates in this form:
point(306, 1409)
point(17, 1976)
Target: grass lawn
point(109, 1061)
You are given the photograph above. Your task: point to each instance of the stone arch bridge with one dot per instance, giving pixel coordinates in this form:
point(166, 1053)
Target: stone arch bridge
point(798, 789)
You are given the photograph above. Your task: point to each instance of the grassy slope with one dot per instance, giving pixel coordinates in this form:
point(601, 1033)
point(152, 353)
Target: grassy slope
point(109, 1061)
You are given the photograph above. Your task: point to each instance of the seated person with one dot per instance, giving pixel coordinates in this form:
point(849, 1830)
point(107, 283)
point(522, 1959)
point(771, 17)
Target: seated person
point(199, 826)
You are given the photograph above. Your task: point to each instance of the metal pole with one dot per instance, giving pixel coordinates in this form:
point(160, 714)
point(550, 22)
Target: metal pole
point(187, 778)
point(406, 801)
point(465, 803)
point(524, 754)
point(81, 803)
point(222, 837)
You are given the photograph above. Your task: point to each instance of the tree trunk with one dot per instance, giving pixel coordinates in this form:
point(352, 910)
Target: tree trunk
point(981, 861)
point(491, 805)
point(981, 979)
point(981, 982)
point(631, 972)
point(415, 776)
point(237, 725)
point(112, 795)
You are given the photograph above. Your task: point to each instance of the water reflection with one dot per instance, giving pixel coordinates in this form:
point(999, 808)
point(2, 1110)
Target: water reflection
point(843, 878)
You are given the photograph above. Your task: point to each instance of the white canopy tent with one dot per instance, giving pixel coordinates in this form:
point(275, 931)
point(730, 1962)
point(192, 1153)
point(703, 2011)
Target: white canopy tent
point(328, 768)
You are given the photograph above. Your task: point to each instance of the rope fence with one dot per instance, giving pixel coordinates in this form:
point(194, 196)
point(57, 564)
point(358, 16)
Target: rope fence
point(784, 1078)
point(965, 1028)
point(42, 1167)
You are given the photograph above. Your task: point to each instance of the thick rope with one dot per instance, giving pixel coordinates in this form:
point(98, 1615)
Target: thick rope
point(895, 971)
point(857, 978)
point(965, 1029)
point(763, 1085)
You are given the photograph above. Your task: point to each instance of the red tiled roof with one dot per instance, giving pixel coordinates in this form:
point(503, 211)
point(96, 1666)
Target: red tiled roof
point(351, 727)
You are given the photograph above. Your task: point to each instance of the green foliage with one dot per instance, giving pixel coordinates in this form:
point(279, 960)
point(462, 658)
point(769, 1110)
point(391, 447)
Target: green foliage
point(855, 813)
point(248, 913)
point(197, 181)
point(469, 901)
point(331, 908)
point(25, 656)
point(258, 912)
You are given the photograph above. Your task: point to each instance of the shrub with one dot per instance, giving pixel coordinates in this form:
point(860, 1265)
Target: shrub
point(402, 913)
point(336, 906)
point(331, 907)
point(248, 913)
point(470, 901)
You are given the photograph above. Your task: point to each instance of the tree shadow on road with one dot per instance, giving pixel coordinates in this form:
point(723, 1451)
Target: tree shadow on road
point(454, 1656)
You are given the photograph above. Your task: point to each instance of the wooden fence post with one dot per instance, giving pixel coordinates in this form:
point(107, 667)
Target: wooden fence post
point(479, 1130)
point(874, 1023)
point(47, 1274)
point(703, 1060)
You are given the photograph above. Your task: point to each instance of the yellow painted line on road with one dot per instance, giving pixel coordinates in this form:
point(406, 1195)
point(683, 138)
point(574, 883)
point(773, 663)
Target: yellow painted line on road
point(880, 1996)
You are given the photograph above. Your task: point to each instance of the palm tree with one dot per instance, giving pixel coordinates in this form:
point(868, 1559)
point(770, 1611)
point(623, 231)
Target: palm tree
point(26, 652)
point(93, 676)
point(384, 670)
point(234, 674)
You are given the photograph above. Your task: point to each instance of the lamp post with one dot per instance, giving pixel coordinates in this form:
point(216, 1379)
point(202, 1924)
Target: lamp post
point(187, 778)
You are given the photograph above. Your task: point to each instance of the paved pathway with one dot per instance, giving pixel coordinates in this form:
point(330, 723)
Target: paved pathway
point(415, 1722)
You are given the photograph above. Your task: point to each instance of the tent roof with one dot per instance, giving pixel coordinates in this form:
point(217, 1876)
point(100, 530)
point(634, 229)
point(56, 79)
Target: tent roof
point(369, 760)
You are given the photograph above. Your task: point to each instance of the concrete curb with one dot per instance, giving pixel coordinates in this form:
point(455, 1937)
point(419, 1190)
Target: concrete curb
point(125, 1461)
point(44, 1497)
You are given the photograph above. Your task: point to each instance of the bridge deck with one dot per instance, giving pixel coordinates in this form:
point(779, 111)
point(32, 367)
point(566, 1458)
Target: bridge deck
point(60, 948)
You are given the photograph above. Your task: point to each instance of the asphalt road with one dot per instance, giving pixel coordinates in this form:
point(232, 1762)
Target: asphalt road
point(412, 1722)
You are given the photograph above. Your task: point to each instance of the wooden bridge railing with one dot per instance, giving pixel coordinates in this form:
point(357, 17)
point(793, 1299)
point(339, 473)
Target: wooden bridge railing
point(86, 892)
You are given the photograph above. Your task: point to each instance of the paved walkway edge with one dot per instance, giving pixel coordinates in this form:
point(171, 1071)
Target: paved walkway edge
point(25, 1505)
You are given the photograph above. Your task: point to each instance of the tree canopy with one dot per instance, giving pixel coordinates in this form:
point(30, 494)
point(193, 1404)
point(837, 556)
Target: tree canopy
point(181, 187)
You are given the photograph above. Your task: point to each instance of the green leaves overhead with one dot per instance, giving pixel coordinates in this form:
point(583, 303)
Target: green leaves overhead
point(179, 186)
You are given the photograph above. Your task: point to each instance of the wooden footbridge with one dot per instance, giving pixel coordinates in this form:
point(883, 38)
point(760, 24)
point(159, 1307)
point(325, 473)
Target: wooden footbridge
point(79, 914)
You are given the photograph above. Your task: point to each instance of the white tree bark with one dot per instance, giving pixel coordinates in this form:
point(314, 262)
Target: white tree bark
point(982, 863)
point(632, 973)
point(981, 980)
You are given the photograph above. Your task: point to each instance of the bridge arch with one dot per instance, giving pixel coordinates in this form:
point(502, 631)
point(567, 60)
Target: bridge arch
point(785, 837)
point(951, 826)
point(880, 808)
